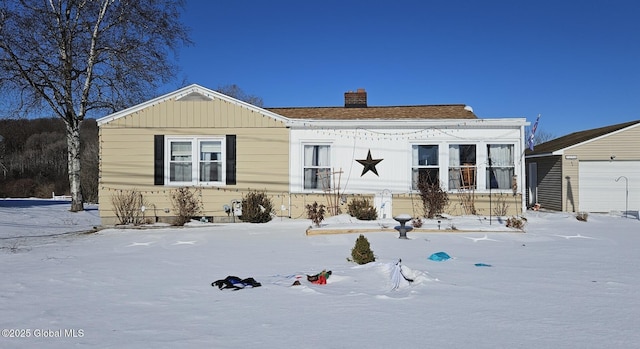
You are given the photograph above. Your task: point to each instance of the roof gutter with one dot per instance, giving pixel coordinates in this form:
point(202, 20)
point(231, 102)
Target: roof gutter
point(409, 123)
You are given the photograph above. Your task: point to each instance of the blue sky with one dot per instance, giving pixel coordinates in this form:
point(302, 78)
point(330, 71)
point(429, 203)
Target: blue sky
point(577, 63)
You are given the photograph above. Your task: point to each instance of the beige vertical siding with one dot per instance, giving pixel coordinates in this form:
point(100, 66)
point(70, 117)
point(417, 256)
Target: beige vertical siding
point(127, 154)
point(195, 114)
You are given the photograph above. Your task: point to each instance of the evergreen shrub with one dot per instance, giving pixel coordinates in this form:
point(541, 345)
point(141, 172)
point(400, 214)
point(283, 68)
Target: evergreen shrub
point(257, 207)
point(361, 252)
point(362, 209)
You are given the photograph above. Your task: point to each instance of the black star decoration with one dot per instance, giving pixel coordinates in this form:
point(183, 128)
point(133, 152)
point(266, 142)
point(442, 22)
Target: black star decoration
point(369, 164)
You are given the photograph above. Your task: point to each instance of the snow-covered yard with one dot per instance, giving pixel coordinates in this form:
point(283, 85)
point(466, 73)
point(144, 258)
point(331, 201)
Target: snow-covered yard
point(562, 283)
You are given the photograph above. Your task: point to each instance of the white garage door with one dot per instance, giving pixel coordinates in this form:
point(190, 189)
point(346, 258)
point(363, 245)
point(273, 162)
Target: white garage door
point(599, 191)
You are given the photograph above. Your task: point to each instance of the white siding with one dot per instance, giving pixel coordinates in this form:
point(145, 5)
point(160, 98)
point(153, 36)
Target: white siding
point(394, 147)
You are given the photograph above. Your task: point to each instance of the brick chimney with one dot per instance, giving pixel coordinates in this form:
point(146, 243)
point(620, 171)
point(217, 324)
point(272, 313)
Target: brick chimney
point(356, 99)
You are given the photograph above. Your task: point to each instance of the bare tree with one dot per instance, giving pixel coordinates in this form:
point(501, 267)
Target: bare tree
point(542, 136)
point(236, 92)
point(79, 57)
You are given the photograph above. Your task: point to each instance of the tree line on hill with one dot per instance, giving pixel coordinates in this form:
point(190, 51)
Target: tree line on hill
point(34, 154)
point(34, 158)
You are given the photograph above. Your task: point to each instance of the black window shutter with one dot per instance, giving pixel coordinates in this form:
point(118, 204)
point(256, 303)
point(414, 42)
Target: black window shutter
point(231, 159)
point(158, 159)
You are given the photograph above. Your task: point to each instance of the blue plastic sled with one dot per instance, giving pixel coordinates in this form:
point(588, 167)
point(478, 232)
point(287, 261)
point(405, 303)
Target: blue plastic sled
point(439, 257)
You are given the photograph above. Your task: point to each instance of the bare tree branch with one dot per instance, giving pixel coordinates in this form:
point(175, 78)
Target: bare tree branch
point(81, 57)
point(236, 92)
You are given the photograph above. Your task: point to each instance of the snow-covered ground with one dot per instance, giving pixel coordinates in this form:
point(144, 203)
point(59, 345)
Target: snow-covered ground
point(562, 283)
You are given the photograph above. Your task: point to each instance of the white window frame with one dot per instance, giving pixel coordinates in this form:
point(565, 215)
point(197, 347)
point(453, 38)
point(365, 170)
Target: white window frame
point(304, 167)
point(196, 142)
point(417, 164)
point(507, 181)
point(463, 170)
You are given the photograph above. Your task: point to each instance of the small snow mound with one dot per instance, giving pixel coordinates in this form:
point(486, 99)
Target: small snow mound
point(341, 219)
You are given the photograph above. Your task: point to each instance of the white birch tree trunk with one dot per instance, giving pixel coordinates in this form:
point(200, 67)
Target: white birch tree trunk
point(73, 152)
point(82, 58)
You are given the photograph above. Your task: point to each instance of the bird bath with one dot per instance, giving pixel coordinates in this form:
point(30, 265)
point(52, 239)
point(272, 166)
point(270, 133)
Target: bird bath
point(403, 219)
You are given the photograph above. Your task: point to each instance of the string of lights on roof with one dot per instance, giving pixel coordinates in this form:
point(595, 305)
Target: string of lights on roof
point(368, 134)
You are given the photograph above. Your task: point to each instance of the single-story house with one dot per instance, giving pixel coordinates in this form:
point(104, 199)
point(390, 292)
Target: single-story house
point(199, 138)
point(596, 170)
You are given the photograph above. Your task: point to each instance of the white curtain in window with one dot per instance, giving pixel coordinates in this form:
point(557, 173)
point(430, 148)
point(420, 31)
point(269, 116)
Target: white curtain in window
point(415, 155)
point(210, 171)
point(454, 155)
point(501, 156)
point(454, 163)
point(315, 157)
point(309, 150)
point(310, 177)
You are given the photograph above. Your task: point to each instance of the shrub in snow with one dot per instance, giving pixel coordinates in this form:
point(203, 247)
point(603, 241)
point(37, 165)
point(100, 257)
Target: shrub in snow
point(434, 199)
point(256, 207)
point(127, 206)
point(362, 209)
point(416, 222)
point(515, 222)
point(361, 252)
point(186, 205)
point(315, 213)
point(501, 208)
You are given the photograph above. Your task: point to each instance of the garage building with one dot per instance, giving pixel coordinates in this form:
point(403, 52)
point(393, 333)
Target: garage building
point(596, 170)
